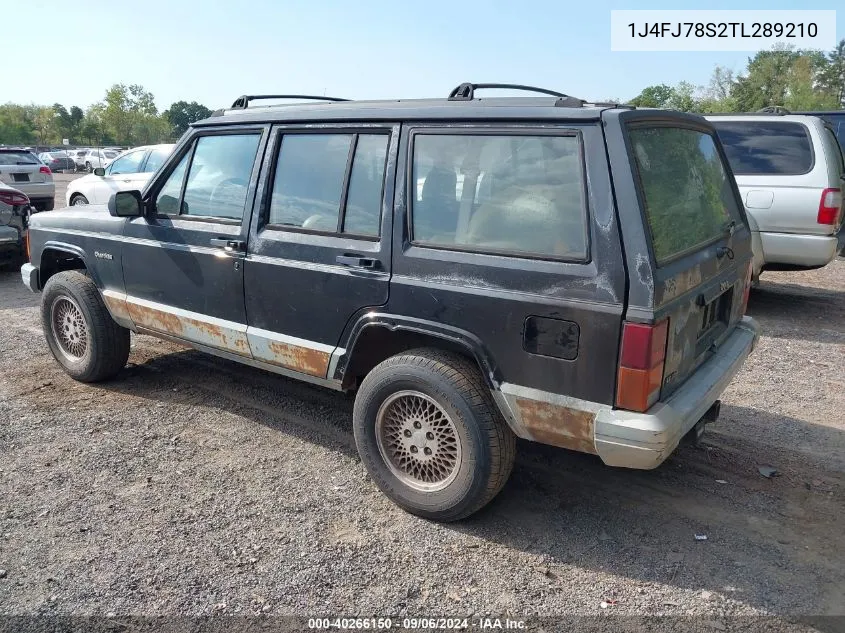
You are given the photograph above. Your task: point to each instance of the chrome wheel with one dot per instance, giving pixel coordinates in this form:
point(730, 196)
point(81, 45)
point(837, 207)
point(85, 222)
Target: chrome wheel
point(418, 441)
point(69, 329)
point(78, 201)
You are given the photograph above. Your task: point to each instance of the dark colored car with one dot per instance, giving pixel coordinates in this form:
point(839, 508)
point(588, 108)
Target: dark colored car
point(836, 120)
point(58, 161)
point(476, 270)
point(14, 212)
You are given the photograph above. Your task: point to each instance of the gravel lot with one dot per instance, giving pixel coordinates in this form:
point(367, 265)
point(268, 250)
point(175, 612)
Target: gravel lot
point(196, 486)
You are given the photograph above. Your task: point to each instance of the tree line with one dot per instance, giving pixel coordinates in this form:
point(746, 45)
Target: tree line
point(795, 79)
point(127, 116)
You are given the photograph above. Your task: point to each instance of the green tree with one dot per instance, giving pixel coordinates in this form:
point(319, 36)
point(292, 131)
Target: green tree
point(181, 114)
point(831, 75)
point(654, 96)
point(683, 98)
point(16, 126)
point(129, 115)
point(45, 124)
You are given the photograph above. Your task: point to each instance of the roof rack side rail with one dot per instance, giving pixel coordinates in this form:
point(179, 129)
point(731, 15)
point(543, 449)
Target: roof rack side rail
point(774, 110)
point(242, 102)
point(466, 92)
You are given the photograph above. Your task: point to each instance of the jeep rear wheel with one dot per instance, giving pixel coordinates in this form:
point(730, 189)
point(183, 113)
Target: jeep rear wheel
point(430, 435)
point(82, 336)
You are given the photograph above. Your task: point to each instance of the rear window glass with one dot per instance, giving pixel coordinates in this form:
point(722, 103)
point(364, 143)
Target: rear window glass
point(689, 200)
point(764, 147)
point(512, 194)
point(17, 158)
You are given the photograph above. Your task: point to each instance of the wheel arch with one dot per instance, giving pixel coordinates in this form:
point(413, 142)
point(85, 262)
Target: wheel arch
point(377, 337)
point(59, 256)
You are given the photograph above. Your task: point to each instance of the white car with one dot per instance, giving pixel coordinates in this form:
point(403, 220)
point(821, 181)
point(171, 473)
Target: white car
point(130, 170)
point(98, 158)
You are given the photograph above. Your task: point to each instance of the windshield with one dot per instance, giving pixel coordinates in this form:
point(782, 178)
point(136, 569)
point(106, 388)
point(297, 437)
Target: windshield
point(689, 200)
point(17, 158)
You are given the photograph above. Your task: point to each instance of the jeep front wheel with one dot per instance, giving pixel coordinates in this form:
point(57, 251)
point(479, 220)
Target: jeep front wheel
point(82, 336)
point(430, 435)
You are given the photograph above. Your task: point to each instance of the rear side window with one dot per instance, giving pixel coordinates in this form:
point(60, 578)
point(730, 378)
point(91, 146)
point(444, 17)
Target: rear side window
point(689, 200)
point(330, 183)
point(766, 147)
point(510, 194)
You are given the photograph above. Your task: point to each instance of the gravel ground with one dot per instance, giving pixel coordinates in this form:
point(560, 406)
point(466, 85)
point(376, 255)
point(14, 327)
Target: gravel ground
point(195, 486)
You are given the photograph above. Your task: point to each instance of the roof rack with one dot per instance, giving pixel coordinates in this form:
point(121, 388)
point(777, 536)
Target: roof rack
point(242, 102)
point(774, 110)
point(466, 92)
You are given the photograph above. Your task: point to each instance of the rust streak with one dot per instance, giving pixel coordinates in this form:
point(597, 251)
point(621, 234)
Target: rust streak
point(303, 359)
point(558, 425)
point(117, 307)
point(155, 319)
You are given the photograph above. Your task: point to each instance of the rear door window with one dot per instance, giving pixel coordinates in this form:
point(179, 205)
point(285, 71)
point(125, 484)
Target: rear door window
point(766, 147)
point(687, 192)
point(500, 193)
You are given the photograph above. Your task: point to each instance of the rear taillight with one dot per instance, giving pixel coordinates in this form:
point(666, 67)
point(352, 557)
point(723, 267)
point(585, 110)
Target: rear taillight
point(746, 291)
point(830, 207)
point(13, 198)
point(641, 361)
point(44, 170)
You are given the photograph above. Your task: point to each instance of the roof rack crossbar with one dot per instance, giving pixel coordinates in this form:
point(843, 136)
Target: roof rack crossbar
point(242, 102)
point(466, 92)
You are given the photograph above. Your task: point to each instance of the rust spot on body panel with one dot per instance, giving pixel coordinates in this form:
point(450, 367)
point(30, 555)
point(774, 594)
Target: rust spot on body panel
point(117, 306)
point(201, 332)
point(557, 425)
point(308, 361)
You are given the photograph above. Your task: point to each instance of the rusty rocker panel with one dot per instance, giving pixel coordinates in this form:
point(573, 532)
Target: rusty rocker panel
point(269, 350)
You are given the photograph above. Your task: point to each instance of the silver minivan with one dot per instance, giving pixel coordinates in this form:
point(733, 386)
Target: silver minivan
point(789, 169)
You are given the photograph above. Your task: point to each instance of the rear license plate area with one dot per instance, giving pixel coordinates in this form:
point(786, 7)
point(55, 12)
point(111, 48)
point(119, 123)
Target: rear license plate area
point(20, 177)
point(716, 312)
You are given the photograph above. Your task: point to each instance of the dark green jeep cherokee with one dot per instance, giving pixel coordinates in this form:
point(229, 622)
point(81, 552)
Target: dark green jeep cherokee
point(477, 270)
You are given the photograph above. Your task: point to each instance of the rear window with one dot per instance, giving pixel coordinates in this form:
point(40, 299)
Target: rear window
point(18, 158)
point(766, 147)
point(689, 200)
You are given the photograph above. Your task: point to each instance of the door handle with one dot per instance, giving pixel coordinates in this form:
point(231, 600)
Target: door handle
point(228, 245)
point(356, 261)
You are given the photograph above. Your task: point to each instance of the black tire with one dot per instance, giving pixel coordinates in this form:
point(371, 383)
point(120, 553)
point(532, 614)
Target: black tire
point(78, 198)
point(487, 445)
point(107, 344)
point(49, 205)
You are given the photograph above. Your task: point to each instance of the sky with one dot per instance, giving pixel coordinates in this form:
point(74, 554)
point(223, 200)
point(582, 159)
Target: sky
point(213, 52)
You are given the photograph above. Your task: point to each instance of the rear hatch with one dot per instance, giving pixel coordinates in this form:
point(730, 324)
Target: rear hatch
point(18, 167)
point(686, 239)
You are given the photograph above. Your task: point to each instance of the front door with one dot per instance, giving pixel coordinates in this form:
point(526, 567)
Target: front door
point(183, 262)
point(319, 246)
point(121, 175)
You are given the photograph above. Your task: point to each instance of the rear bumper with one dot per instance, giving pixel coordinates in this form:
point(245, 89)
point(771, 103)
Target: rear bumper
point(645, 440)
point(795, 249)
point(36, 190)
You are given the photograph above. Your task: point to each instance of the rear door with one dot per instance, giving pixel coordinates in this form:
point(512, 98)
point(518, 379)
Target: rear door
point(685, 234)
point(319, 246)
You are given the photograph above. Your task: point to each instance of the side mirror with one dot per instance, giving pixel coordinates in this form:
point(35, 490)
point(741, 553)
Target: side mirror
point(126, 204)
point(99, 171)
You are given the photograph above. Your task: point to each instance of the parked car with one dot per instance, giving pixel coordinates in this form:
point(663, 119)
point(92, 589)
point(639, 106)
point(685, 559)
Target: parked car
point(789, 169)
point(585, 288)
point(97, 158)
point(130, 170)
point(22, 170)
point(57, 161)
point(14, 211)
point(78, 156)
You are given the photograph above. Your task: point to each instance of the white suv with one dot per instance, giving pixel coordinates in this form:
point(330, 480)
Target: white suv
point(98, 158)
point(789, 169)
